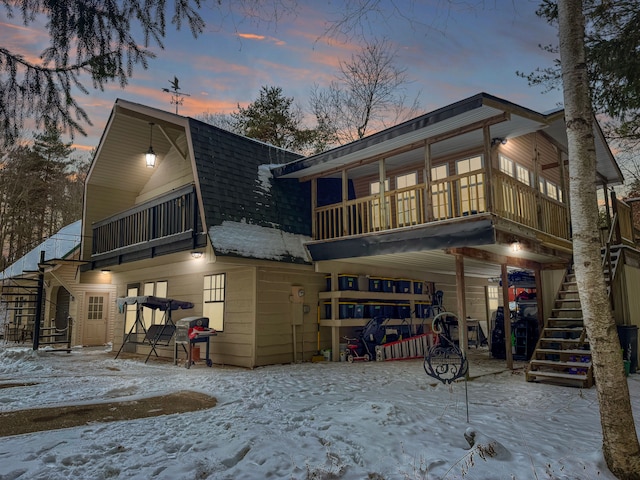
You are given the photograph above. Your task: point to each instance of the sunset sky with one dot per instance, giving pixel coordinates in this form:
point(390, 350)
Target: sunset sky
point(451, 50)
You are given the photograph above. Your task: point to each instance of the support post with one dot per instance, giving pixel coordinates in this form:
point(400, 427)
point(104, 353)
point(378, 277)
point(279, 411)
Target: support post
point(507, 317)
point(463, 333)
point(39, 296)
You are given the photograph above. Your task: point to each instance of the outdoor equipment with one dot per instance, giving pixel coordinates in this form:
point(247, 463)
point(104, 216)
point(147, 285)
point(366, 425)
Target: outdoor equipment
point(189, 331)
point(157, 334)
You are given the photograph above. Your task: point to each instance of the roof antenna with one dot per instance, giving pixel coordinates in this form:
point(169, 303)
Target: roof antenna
point(176, 94)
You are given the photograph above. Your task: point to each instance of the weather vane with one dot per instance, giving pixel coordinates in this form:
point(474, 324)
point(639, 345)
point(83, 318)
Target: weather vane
point(176, 94)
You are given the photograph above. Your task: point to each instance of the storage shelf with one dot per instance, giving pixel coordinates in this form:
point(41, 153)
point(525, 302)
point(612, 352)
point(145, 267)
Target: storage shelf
point(366, 295)
point(361, 322)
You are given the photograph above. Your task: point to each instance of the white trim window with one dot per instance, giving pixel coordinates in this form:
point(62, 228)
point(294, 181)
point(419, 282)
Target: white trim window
point(515, 170)
point(551, 190)
point(213, 300)
point(406, 204)
point(378, 216)
point(440, 194)
point(471, 197)
point(155, 289)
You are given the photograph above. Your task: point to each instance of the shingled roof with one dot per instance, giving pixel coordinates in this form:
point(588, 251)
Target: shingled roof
point(241, 198)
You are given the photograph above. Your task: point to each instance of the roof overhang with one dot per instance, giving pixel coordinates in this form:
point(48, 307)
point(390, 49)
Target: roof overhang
point(400, 144)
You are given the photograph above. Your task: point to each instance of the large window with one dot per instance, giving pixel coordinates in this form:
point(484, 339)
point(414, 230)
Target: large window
point(130, 312)
point(515, 170)
point(155, 289)
point(213, 300)
point(406, 204)
point(440, 196)
point(551, 190)
point(471, 197)
point(378, 216)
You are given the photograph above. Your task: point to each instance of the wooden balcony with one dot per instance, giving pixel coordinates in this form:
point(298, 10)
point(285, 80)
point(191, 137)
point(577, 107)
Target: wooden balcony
point(452, 197)
point(170, 219)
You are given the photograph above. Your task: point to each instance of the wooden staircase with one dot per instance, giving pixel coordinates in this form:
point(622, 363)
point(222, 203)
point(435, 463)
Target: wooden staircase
point(562, 354)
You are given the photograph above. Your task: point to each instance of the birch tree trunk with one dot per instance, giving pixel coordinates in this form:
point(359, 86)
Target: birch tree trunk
point(619, 439)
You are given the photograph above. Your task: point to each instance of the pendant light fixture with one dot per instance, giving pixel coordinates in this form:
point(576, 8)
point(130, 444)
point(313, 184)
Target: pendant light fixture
point(150, 156)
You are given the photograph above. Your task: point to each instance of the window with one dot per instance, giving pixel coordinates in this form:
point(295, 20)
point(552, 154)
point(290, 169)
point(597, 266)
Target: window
point(471, 198)
point(523, 175)
point(406, 204)
point(154, 289)
point(515, 170)
point(440, 197)
point(130, 312)
point(378, 216)
point(551, 190)
point(213, 300)
point(96, 308)
point(506, 165)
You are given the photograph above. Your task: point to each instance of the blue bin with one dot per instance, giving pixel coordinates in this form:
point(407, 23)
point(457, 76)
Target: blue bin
point(375, 284)
point(358, 310)
point(347, 282)
point(346, 309)
point(403, 310)
point(417, 287)
point(423, 310)
point(372, 310)
point(403, 285)
point(387, 285)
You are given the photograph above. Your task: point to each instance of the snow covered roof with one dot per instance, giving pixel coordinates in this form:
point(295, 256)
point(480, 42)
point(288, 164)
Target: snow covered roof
point(59, 246)
point(248, 213)
point(254, 241)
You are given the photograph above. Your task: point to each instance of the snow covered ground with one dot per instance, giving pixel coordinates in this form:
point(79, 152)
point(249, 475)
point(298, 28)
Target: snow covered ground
point(315, 421)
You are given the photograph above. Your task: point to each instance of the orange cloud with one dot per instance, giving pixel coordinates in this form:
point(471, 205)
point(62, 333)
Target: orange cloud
point(253, 36)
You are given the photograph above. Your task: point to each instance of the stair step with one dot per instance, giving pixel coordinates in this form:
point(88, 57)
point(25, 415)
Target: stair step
point(572, 378)
point(576, 320)
point(560, 364)
point(568, 351)
point(572, 329)
point(563, 340)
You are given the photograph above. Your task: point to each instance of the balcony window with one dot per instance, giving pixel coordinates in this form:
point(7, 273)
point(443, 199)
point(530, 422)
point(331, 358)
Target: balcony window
point(471, 198)
point(378, 216)
point(406, 204)
point(440, 195)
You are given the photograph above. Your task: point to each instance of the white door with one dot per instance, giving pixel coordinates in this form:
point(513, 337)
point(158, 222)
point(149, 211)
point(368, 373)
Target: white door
point(96, 315)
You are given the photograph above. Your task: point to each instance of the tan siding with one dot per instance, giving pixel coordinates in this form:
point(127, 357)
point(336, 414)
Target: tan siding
point(171, 172)
point(104, 203)
point(627, 304)
point(275, 313)
point(233, 346)
point(551, 282)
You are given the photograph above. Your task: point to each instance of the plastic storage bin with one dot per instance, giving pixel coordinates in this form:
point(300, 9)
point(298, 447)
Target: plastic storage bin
point(347, 282)
point(403, 310)
point(402, 285)
point(387, 285)
point(417, 287)
point(375, 284)
point(346, 309)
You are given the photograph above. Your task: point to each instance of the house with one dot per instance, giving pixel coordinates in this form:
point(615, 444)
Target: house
point(56, 262)
point(295, 253)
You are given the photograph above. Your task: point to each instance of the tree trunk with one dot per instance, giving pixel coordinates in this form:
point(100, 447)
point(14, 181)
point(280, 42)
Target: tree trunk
point(619, 439)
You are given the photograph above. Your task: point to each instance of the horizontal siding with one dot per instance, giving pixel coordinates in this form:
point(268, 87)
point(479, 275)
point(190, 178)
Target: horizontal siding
point(233, 346)
point(275, 313)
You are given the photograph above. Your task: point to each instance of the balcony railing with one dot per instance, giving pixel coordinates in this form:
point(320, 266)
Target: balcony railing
point(161, 218)
point(452, 197)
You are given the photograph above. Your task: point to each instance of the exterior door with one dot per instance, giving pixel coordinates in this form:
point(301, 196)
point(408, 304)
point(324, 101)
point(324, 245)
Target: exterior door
point(96, 315)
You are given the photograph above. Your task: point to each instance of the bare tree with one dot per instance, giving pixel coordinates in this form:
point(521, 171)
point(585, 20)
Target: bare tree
point(619, 439)
point(367, 95)
point(98, 42)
